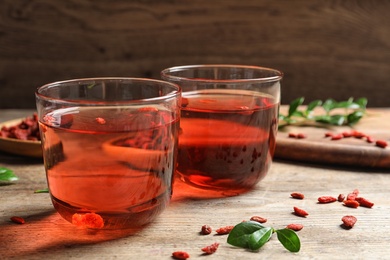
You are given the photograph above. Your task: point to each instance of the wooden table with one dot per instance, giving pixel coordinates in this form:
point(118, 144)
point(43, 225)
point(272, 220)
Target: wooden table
point(45, 235)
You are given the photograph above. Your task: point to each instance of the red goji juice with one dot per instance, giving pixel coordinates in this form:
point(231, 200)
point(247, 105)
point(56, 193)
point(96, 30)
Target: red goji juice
point(119, 168)
point(227, 138)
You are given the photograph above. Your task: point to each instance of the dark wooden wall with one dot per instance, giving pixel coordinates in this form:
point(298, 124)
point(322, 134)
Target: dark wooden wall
point(326, 48)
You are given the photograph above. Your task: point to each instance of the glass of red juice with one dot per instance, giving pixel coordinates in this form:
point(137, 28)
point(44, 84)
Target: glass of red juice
point(229, 122)
point(109, 148)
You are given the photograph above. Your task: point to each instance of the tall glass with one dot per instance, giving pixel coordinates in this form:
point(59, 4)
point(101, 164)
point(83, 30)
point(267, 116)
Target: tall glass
point(109, 148)
point(229, 122)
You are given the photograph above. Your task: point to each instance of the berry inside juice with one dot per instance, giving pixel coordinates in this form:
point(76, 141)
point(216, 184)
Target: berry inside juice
point(227, 138)
point(114, 163)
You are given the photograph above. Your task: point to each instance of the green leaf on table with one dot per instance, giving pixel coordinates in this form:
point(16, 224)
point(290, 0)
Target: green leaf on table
point(7, 175)
point(337, 120)
point(313, 104)
point(241, 233)
point(354, 117)
point(289, 239)
point(362, 102)
point(294, 105)
point(258, 238)
point(329, 104)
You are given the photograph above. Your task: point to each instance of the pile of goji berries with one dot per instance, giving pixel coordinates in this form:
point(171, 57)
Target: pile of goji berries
point(27, 129)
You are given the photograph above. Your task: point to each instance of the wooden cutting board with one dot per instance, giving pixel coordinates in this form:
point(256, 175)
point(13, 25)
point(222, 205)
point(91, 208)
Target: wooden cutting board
point(316, 148)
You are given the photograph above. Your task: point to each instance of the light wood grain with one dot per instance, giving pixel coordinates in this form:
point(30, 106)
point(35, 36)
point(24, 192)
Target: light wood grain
point(45, 235)
point(325, 48)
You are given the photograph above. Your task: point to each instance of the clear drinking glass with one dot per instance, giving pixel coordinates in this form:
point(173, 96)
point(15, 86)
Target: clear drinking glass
point(109, 148)
point(229, 122)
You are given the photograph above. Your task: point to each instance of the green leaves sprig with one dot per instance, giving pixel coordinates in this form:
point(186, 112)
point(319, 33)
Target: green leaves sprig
point(253, 235)
point(7, 176)
point(353, 112)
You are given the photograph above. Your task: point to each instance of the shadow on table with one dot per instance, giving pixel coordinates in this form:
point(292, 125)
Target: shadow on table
point(47, 232)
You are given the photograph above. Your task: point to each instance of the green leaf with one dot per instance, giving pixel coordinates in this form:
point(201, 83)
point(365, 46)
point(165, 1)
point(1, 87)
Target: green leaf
point(259, 238)
point(329, 104)
point(337, 119)
point(322, 119)
point(7, 175)
point(241, 233)
point(289, 239)
point(354, 117)
point(313, 105)
point(362, 102)
point(294, 105)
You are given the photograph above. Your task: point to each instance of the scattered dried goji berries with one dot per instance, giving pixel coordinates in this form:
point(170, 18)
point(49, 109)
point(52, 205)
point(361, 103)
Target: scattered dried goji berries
point(206, 230)
point(258, 219)
point(381, 143)
point(17, 220)
point(297, 195)
point(295, 227)
point(301, 136)
point(326, 199)
point(180, 255)
point(351, 203)
point(370, 139)
point(224, 230)
point(300, 212)
point(364, 202)
point(351, 196)
point(341, 197)
point(211, 248)
point(349, 221)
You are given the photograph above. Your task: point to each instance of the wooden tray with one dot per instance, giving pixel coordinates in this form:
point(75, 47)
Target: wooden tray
point(347, 151)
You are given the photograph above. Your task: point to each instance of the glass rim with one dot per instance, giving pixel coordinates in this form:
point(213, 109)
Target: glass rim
point(176, 91)
point(165, 73)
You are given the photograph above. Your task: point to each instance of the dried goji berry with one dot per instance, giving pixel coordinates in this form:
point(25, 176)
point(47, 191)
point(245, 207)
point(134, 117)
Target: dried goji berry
point(224, 230)
point(17, 220)
point(328, 134)
point(206, 229)
point(349, 221)
point(356, 192)
point(300, 212)
point(297, 195)
point(364, 202)
point(295, 227)
point(351, 203)
point(100, 120)
point(301, 136)
point(358, 134)
point(180, 255)
point(258, 219)
point(211, 248)
point(292, 135)
point(341, 197)
point(370, 139)
point(381, 143)
point(347, 134)
point(351, 196)
point(88, 220)
point(326, 199)
point(337, 137)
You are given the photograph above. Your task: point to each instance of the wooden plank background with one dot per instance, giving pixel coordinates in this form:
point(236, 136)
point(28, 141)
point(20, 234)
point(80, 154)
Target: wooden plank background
point(331, 48)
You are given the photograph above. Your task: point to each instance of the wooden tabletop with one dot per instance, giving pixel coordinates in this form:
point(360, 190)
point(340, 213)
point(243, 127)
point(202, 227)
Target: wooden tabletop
point(46, 235)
